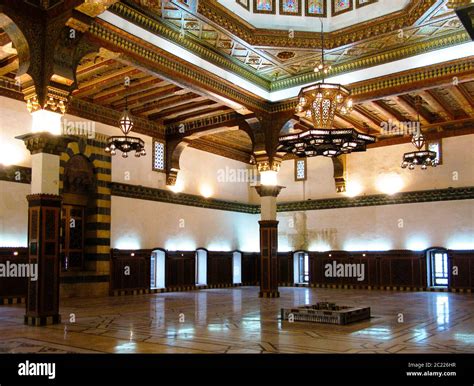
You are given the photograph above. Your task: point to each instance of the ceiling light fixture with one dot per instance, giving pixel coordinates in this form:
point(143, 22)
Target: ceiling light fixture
point(320, 103)
point(422, 158)
point(125, 143)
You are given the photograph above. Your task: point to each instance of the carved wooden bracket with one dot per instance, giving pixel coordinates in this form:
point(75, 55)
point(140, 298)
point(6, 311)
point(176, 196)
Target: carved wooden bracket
point(339, 164)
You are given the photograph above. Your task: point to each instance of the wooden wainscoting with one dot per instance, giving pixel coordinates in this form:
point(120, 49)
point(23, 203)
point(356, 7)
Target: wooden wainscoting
point(463, 261)
point(220, 268)
point(138, 264)
point(180, 269)
point(13, 289)
point(398, 268)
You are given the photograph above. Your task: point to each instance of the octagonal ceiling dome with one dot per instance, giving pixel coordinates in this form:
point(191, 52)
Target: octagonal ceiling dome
point(303, 15)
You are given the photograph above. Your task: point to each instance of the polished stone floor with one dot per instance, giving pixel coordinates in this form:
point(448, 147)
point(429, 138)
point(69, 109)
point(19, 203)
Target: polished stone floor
point(235, 320)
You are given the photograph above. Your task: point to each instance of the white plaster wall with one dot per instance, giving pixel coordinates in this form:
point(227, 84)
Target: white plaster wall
point(197, 169)
point(13, 214)
point(408, 226)
point(148, 224)
point(366, 169)
point(14, 121)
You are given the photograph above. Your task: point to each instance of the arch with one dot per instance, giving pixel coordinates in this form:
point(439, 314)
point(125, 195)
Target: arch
point(301, 271)
point(19, 41)
point(79, 175)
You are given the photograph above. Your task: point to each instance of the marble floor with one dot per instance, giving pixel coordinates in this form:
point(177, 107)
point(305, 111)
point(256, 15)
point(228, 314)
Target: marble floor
point(235, 320)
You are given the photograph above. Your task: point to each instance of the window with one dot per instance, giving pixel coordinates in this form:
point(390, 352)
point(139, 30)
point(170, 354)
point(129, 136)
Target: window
point(300, 169)
point(158, 155)
point(341, 6)
point(263, 6)
point(438, 268)
point(436, 147)
point(316, 8)
point(290, 7)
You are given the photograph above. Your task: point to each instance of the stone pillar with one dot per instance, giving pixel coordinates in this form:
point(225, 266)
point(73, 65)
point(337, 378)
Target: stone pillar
point(44, 216)
point(268, 241)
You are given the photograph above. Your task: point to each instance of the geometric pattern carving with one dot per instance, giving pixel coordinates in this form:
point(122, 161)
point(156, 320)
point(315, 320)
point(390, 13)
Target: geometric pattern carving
point(158, 155)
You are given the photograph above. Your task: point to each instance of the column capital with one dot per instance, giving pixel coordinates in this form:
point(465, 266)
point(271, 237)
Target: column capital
point(268, 190)
point(46, 142)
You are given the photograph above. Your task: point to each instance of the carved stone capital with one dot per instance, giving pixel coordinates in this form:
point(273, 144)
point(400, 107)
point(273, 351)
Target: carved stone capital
point(268, 191)
point(56, 100)
point(46, 142)
point(266, 165)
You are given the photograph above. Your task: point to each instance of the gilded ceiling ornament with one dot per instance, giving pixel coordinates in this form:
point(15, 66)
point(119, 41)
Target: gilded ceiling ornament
point(94, 8)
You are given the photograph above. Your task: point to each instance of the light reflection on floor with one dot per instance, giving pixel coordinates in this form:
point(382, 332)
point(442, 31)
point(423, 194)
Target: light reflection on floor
point(237, 321)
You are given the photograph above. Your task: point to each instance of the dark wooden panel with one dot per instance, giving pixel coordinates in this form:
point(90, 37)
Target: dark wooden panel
point(220, 268)
point(464, 262)
point(130, 270)
point(13, 286)
point(285, 268)
point(250, 268)
point(390, 268)
point(180, 268)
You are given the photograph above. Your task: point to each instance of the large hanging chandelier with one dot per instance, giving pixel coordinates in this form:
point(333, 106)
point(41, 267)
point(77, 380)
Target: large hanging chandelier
point(319, 103)
point(422, 158)
point(125, 143)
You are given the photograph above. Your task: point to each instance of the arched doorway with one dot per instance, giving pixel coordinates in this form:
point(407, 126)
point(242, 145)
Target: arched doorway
point(79, 184)
point(437, 267)
point(301, 267)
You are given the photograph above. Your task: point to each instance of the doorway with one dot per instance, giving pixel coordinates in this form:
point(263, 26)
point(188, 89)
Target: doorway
point(438, 268)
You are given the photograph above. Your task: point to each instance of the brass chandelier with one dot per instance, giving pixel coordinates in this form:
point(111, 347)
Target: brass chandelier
point(422, 158)
point(319, 103)
point(125, 143)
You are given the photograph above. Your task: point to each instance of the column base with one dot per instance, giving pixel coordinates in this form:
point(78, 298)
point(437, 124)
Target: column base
point(37, 321)
point(271, 294)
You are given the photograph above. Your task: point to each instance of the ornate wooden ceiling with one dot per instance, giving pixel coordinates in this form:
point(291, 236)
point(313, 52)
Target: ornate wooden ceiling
point(276, 55)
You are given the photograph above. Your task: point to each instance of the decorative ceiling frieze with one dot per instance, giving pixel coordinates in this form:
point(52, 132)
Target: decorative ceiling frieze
point(275, 67)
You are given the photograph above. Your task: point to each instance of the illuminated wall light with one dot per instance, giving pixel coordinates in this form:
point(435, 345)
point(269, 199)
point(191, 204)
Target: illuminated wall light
point(46, 121)
point(10, 155)
point(269, 178)
point(206, 190)
point(15, 253)
point(178, 187)
point(353, 188)
point(13, 241)
point(219, 246)
point(132, 254)
point(127, 243)
point(367, 245)
point(319, 247)
point(462, 243)
point(417, 244)
point(390, 183)
point(180, 244)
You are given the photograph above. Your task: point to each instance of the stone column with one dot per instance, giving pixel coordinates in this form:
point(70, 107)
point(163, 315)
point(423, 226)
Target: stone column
point(268, 241)
point(44, 216)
